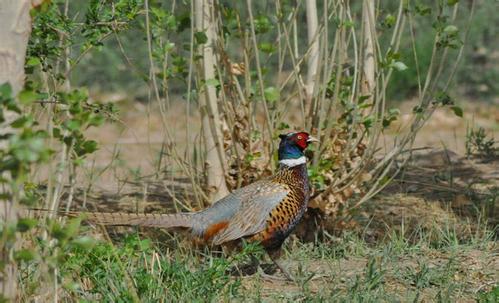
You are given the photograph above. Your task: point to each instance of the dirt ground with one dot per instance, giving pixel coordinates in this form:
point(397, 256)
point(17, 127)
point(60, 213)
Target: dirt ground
point(477, 269)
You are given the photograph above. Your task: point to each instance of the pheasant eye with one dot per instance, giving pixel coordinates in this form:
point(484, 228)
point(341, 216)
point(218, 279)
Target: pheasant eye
point(300, 137)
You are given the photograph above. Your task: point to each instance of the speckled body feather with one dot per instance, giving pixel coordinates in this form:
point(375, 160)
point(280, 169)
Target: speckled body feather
point(286, 215)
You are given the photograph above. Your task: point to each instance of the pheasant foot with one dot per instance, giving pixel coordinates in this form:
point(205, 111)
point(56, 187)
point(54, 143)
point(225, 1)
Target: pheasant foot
point(273, 277)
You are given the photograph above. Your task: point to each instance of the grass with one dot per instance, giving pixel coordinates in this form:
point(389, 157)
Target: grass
point(135, 268)
point(435, 265)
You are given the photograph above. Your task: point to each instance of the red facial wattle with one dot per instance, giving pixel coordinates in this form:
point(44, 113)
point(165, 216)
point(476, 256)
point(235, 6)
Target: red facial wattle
point(301, 140)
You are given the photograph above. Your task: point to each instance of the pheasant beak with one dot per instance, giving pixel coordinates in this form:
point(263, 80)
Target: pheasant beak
point(312, 139)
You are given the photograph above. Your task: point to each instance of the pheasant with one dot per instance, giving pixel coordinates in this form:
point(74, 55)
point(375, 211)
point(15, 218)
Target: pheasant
point(265, 211)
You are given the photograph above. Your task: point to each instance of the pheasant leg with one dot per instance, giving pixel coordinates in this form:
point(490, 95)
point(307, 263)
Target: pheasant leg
point(275, 255)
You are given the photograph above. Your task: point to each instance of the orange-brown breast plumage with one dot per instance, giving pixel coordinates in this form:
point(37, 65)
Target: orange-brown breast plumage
point(286, 215)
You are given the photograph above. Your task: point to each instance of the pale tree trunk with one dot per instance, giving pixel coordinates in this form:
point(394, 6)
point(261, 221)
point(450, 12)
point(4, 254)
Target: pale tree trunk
point(368, 64)
point(211, 121)
point(313, 56)
point(15, 28)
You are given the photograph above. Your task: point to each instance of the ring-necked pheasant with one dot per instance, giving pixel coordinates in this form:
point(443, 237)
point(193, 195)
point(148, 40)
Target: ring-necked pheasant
point(266, 211)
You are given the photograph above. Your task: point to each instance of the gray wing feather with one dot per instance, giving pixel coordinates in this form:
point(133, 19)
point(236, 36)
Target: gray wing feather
point(222, 210)
point(254, 211)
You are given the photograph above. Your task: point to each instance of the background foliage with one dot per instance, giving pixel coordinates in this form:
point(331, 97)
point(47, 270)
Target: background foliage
point(477, 76)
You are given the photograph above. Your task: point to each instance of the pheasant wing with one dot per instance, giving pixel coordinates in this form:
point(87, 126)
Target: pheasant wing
point(255, 208)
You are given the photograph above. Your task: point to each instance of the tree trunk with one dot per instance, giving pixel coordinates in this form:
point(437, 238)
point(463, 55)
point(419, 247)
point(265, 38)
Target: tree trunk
point(15, 28)
point(368, 65)
point(313, 58)
point(215, 155)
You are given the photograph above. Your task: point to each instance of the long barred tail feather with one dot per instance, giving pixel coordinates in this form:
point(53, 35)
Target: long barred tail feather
point(146, 220)
point(131, 219)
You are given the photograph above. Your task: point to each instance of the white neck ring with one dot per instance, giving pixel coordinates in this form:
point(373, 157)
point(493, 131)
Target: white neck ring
point(294, 162)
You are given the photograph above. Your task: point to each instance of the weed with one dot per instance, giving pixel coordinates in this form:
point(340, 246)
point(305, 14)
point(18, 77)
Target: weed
point(489, 296)
point(102, 272)
point(477, 143)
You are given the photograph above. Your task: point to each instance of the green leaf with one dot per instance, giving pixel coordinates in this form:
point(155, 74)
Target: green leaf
point(25, 224)
point(368, 121)
point(57, 133)
point(171, 22)
point(423, 9)
point(169, 46)
point(72, 227)
point(349, 24)
point(452, 2)
point(451, 29)
point(5, 90)
point(389, 21)
point(96, 120)
point(267, 47)
point(212, 82)
point(283, 125)
point(25, 255)
point(418, 109)
point(26, 97)
point(393, 112)
point(271, 94)
point(398, 65)
point(183, 21)
point(21, 122)
point(84, 242)
point(363, 98)
point(385, 180)
point(392, 56)
point(57, 231)
point(490, 296)
point(28, 150)
point(72, 125)
point(443, 98)
point(391, 116)
point(458, 111)
point(262, 24)
point(4, 196)
point(89, 146)
point(200, 37)
point(72, 286)
point(33, 61)
point(144, 244)
point(158, 13)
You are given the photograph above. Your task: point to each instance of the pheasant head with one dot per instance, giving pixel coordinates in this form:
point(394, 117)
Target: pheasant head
point(292, 147)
